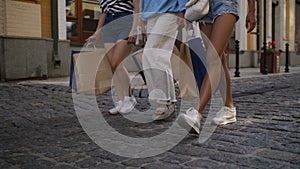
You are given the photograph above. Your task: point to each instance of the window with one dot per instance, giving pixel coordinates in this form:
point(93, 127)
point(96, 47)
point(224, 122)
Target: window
point(82, 19)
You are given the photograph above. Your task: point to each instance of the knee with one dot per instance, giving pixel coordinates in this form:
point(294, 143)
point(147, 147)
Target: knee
point(113, 64)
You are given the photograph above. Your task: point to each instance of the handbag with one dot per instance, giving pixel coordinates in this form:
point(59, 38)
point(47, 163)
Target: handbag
point(196, 9)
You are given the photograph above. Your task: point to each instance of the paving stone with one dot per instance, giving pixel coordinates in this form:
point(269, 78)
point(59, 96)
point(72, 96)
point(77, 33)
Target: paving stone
point(111, 157)
point(191, 151)
point(86, 148)
point(232, 166)
point(229, 147)
point(109, 166)
point(176, 159)
point(202, 163)
point(278, 155)
point(291, 147)
point(256, 162)
point(162, 165)
point(296, 161)
point(256, 143)
point(38, 164)
point(54, 152)
point(64, 166)
point(4, 164)
point(289, 167)
point(88, 163)
point(138, 162)
point(22, 159)
point(228, 138)
point(70, 158)
point(225, 157)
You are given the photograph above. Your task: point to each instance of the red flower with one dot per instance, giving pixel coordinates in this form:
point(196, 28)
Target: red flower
point(271, 46)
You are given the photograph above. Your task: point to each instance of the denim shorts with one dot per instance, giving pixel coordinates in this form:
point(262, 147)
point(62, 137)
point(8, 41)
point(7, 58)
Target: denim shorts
point(221, 7)
point(117, 27)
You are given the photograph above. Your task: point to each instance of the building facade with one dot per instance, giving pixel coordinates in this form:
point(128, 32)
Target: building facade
point(281, 26)
point(37, 36)
point(33, 42)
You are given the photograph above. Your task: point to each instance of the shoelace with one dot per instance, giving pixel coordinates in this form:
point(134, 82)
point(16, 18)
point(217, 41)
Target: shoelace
point(190, 112)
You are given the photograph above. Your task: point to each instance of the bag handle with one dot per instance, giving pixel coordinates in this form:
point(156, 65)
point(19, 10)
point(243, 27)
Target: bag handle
point(190, 3)
point(89, 44)
point(193, 32)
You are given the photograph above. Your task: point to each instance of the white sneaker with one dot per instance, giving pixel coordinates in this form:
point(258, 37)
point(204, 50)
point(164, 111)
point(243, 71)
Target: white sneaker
point(127, 105)
point(116, 109)
point(191, 119)
point(225, 116)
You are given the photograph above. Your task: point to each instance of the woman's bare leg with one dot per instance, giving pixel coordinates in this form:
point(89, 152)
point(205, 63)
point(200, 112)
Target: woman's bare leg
point(219, 36)
point(226, 89)
point(116, 54)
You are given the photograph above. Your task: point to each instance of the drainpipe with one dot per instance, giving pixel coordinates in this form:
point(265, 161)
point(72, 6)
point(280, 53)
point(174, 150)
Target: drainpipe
point(258, 39)
point(54, 19)
point(265, 65)
point(2, 60)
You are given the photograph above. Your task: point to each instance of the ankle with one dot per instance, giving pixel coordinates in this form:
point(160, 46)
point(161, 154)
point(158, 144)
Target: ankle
point(200, 111)
point(230, 105)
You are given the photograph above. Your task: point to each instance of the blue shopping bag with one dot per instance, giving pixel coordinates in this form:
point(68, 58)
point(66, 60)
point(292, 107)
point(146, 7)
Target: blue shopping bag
point(72, 81)
point(198, 56)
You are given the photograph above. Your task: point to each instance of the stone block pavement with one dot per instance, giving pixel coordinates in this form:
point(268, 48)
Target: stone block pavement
point(39, 129)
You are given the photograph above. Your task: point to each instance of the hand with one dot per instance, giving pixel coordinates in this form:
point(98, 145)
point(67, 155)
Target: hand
point(91, 39)
point(181, 20)
point(132, 36)
point(250, 21)
point(144, 31)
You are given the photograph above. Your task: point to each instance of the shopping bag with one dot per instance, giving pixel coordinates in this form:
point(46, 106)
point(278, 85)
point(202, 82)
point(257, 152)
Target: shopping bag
point(72, 75)
point(198, 56)
point(93, 73)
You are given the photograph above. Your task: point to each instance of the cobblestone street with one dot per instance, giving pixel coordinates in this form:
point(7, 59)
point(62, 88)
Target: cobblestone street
point(39, 129)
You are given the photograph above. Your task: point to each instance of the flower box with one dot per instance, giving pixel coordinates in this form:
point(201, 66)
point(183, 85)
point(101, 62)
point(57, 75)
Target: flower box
point(273, 62)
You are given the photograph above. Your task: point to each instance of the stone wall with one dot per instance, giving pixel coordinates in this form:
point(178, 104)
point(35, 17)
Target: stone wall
point(23, 57)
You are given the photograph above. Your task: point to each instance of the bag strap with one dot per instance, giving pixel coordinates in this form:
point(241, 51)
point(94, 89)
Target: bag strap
point(191, 3)
point(91, 44)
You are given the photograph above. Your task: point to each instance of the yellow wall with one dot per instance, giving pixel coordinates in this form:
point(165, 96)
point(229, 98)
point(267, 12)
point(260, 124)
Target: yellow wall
point(46, 18)
point(287, 20)
point(45, 12)
point(22, 19)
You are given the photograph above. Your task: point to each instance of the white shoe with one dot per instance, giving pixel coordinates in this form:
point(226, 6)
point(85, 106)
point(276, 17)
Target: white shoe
point(191, 119)
point(116, 109)
point(225, 116)
point(127, 105)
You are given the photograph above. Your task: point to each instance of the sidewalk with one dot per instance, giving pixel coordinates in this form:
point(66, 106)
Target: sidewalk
point(244, 73)
point(255, 72)
point(39, 128)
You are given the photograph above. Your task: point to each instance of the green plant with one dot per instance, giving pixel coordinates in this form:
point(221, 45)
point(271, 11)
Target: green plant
point(271, 47)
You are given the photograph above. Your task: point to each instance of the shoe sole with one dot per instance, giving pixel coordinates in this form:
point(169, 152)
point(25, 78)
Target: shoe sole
point(187, 124)
point(225, 122)
point(113, 112)
point(228, 121)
